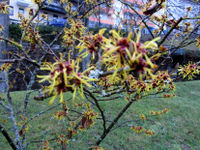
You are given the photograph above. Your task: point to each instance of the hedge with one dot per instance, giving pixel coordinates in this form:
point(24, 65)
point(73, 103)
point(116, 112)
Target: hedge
point(47, 32)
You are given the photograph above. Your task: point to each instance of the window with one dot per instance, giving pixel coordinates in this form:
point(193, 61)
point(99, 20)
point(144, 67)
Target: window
point(92, 24)
point(103, 15)
point(11, 11)
point(55, 16)
point(46, 14)
point(21, 11)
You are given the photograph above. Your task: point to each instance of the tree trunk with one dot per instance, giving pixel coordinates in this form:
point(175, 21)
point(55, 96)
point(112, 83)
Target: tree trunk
point(4, 20)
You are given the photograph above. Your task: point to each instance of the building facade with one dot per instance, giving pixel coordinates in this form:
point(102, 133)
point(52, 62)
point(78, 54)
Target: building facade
point(112, 16)
point(53, 10)
point(119, 15)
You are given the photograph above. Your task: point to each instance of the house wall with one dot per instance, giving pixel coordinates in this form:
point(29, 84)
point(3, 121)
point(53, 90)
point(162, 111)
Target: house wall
point(16, 5)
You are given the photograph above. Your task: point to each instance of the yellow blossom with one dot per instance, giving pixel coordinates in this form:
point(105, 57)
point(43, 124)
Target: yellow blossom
point(64, 76)
point(189, 70)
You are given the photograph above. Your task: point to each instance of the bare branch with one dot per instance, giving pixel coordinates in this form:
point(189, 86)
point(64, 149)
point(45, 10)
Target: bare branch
point(168, 33)
point(8, 138)
point(9, 60)
point(132, 8)
point(111, 72)
point(114, 122)
point(30, 21)
point(17, 137)
point(98, 106)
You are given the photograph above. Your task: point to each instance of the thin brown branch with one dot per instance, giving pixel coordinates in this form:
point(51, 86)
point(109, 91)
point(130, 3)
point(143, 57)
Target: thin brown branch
point(30, 21)
point(111, 72)
point(176, 48)
point(19, 46)
point(168, 33)
point(139, 17)
point(98, 106)
point(49, 48)
point(124, 124)
point(42, 97)
point(44, 111)
point(110, 99)
point(109, 90)
point(93, 7)
point(7, 137)
point(12, 116)
point(4, 106)
point(56, 38)
point(113, 93)
point(28, 60)
point(39, 114)
point(114, 122)
point(9, 60)
point(18, 60)
point(190, 18)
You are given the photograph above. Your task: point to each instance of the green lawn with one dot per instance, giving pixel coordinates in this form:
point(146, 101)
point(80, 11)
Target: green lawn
point(177, 130)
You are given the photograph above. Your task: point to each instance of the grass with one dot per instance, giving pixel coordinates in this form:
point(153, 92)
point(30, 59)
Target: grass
point(177, 130)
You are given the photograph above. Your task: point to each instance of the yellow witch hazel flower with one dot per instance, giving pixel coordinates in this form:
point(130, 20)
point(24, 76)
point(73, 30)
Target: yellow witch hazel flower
point(75, 32)
point(189, 70)
point(5, 67)
point(92, 43)
point(198, 42)
point(89, 1)
point(161, 81)
point(88, 117)
point(64, 76)
point(4, 7)
point(107, 81)
point(121, 52)
point(97, 148)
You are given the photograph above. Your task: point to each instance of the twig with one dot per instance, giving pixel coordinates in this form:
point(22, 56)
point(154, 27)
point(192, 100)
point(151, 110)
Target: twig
point(56, 38)
point(4, 106)
point(114, 122)
point(175, 49)
point(111, 72)
point(123, 124)
point(139, 16)
point(8, 138)
point(49, 48)
point(39, 114)
point(99, 107)
point(28, 59)
point(172, 28)
point(44, 111)
point(113, 93)
point(9, 60)
point(82, 16)
point(110, 99)
point(30, 21)
point(17, 137)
